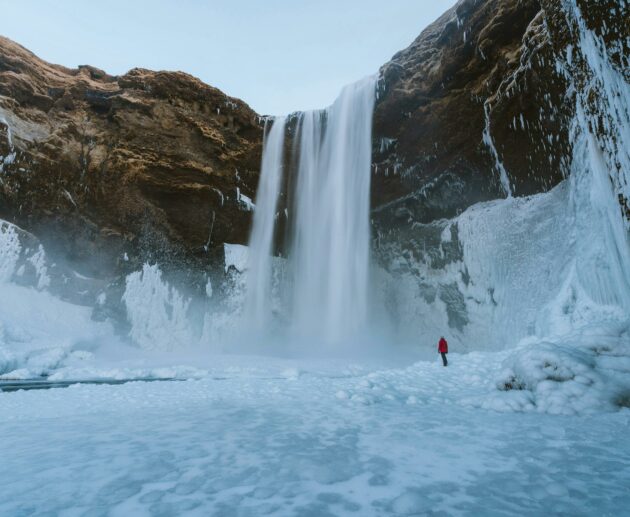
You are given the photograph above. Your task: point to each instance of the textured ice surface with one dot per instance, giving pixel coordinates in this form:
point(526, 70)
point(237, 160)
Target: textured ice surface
point(235, 256)
point(345, 441)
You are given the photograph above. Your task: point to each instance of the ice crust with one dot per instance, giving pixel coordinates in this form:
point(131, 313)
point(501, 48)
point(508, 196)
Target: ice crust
point(542, 282)
point(343, 440)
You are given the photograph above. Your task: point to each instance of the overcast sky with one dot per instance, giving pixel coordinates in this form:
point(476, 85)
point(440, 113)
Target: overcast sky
point(277, 55)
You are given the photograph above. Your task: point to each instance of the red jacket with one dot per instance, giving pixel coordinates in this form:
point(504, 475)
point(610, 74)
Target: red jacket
point(443, 346)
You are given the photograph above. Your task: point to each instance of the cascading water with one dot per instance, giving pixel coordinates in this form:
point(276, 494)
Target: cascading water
point(330, 241)
point(257, 305)
point(330, 256)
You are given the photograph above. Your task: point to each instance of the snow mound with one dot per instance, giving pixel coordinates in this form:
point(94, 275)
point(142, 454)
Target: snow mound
point(585, 372)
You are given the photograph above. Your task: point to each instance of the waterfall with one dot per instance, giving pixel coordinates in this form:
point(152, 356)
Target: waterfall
point(331, 241)
point(329, 246)
point(257, 304)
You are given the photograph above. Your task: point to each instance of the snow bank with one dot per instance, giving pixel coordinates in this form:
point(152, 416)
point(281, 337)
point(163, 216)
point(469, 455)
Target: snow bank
point(583, 372)
point(39, 333)
point(274, 446)
point(43, 336)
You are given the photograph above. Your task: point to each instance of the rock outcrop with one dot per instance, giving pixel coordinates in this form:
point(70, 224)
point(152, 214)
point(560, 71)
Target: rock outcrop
point(480, 107)
point(504, 98)
point(109, 172)
point(470, 111)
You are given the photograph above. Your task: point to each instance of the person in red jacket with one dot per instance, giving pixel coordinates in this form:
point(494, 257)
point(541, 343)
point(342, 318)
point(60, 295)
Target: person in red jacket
point(443, 349)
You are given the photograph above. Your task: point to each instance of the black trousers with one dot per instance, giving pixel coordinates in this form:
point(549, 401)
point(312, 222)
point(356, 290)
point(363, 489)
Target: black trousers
point(443, 354)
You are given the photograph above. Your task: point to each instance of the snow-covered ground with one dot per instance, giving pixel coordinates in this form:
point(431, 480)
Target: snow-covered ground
point(278, 438)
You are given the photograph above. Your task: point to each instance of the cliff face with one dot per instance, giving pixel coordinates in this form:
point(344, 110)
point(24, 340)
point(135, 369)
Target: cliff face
point(501, 98)
point(480, 106)
point(470, 111)
point(111, 171)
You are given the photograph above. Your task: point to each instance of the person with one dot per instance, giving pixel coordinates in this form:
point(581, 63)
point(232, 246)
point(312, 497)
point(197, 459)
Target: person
point(443, 349)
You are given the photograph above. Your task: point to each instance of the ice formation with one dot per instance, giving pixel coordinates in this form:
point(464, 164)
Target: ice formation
point(9, 158)
point(38, 260)
point(236, 256)
point(487, 139)
point(157, 312)
point(9, 251)
point(540, 283)
point(39, 333)
point(546, 276)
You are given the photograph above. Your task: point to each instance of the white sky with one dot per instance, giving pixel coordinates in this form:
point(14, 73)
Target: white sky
point(277, 55)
